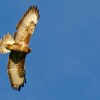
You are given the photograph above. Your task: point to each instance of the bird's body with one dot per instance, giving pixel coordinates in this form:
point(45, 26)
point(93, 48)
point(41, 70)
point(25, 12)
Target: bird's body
point(18, 46)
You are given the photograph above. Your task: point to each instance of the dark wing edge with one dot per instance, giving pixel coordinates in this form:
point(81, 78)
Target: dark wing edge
point(33, 9)
point(16, 70)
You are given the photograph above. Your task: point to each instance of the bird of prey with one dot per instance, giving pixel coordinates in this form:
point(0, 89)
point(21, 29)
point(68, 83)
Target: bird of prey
point(18, 46)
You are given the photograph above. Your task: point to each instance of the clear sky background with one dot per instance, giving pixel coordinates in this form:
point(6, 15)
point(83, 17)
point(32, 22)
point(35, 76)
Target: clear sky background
point(65, 60)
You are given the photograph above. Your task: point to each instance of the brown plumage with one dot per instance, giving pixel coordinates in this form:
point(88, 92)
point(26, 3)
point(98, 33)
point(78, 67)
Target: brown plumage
point(18, 47)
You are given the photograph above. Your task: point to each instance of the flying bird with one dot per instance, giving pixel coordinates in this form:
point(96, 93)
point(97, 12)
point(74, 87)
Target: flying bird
point(18, 47)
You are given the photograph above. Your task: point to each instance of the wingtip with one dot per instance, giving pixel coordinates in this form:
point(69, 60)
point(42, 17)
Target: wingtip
point(18, 88)
point(34, 9)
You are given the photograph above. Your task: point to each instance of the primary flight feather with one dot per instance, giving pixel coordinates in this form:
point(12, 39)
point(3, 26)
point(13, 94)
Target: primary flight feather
point(18, 46)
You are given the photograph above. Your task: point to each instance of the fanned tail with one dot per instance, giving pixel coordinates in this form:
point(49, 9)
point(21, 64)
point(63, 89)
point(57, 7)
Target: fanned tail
point(7, 40)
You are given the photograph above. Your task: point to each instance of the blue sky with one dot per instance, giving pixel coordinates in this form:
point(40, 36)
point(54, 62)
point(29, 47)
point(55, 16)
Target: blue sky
point(65, 60)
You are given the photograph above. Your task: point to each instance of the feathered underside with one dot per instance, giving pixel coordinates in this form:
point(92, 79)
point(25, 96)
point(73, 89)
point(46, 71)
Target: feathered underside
point(27, 25)
point(18, 47)
point(16, 61)
point(16, 70)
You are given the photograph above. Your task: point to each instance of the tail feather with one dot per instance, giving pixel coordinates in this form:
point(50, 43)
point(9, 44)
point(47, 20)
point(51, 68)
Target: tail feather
point(7, 40)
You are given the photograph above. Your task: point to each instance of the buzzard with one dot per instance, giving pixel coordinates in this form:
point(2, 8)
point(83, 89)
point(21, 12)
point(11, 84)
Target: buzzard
point(18, 47)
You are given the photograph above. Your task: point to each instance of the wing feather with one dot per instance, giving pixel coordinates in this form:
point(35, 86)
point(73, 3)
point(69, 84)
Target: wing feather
point(24, 26)
point(16, 70)
point(18, 47)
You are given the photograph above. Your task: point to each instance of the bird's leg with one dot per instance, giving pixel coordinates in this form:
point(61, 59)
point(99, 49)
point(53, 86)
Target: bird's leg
point(9, 47)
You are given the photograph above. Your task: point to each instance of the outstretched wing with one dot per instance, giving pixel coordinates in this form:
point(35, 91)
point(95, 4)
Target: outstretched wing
point(16, 70)
point(27, 25)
